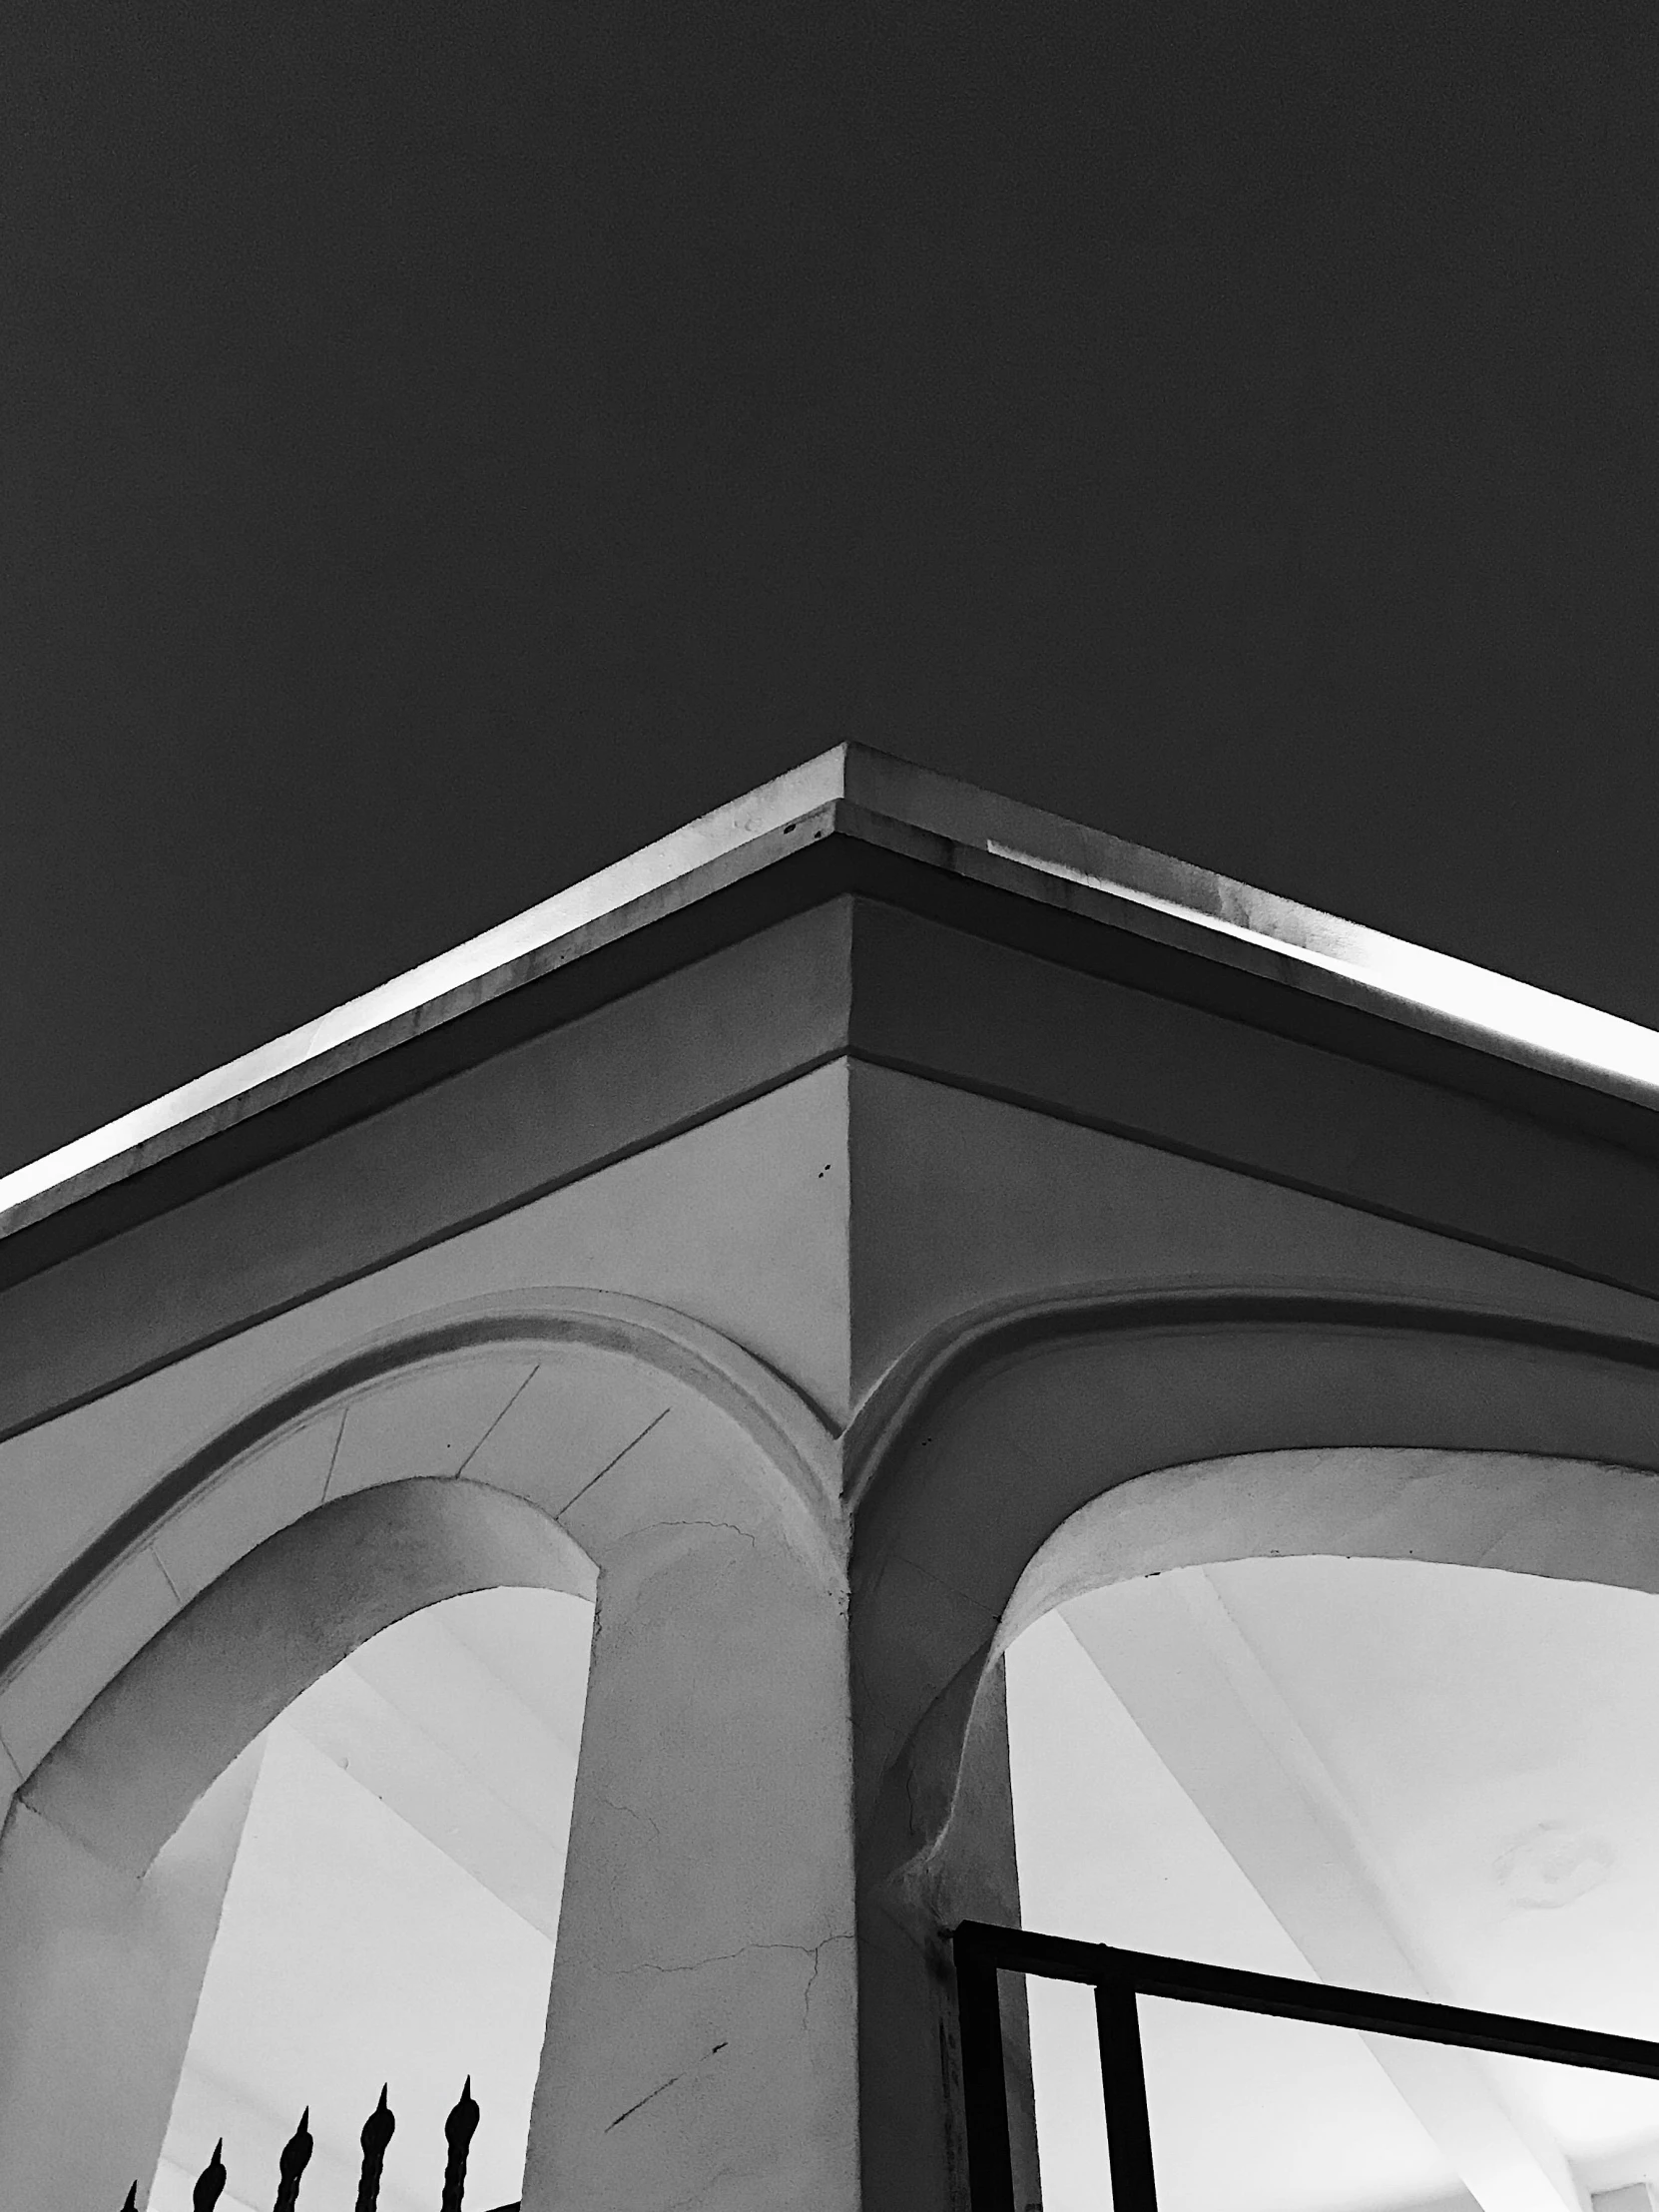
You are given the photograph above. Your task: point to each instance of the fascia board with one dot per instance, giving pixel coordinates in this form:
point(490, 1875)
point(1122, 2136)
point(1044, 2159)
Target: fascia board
point(857, 794)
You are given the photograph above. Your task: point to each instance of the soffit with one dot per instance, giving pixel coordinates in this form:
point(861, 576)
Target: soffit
point(1475, 1750)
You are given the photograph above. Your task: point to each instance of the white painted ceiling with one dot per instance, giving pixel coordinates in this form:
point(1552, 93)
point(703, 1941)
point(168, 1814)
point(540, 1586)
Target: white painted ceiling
point(1386, 1773)
point(392, 1912)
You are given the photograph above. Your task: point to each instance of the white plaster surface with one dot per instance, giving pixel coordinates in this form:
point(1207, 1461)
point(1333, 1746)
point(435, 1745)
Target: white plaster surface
point(741, 1224)
point(744, 1224)
point(248, 1503)
point(702, 2032)
point(101, 1975)
point(706, 1966)
point(424, 1426)
point(714, 1860)
point(1525, 1515)
point(575, 1417)
point(960, 1201)
point(111, 1625)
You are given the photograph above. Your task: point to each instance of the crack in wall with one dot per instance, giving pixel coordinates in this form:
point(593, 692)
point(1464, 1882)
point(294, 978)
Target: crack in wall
point(813, 1952)
point(634, 1814)
point(661, 2086)
point(747, 1534)
point(645, 2100)
point(806, 1993)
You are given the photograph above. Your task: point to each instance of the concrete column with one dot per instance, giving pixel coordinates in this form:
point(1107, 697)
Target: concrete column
point(100, 1975)
point(701, 2051)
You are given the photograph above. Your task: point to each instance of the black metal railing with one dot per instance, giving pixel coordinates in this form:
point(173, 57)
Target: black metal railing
point(1120, 1979)
point(377, 2131)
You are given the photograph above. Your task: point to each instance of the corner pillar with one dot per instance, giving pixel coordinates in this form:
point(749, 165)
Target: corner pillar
point(700, 2049)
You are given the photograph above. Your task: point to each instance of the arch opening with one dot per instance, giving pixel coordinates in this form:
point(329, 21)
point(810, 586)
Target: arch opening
point(529, 1444)
point(1429, 1780)
point(1369, 1718)
point(391, 1908)
point(1027, 1453)
point(168, 1976)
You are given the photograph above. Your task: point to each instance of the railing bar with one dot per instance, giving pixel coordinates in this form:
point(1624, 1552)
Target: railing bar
point(1122, 2086)
point(1185, 1980)
point(984, 2084)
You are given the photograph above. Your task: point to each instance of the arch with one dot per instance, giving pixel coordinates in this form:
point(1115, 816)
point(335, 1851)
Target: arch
point(238, 1655)
point(1569, 1520)
point(1030, 1448)
point(249, 1553)
point(545, 1441)
point(997, 1432)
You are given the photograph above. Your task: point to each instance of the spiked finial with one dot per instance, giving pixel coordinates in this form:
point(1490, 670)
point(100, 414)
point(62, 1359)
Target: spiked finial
point(130, 2204)
point(296, 2155)
point(210, 2185)
point(376, 2134)
point(379, 2127)
point(459, 2128)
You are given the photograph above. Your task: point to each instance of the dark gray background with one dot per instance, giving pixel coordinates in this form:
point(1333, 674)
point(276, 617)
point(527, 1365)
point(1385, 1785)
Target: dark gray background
point(446, 446)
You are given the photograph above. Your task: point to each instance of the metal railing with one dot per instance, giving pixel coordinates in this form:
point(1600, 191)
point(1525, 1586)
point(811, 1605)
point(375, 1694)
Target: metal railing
point(459, 2130)
point(1120, 1979)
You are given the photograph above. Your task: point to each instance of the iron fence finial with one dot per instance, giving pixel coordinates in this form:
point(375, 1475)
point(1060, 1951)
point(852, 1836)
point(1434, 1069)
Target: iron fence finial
point(296, 2154)
point(376, 2134)
point(459, 2129)
point(210, 2182)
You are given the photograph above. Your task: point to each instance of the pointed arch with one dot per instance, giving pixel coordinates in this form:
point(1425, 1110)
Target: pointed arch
point(342, 1501)
point(998, 1430)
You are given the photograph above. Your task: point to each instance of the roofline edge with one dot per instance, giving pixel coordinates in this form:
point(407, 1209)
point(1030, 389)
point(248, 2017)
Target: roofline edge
point(856, 791)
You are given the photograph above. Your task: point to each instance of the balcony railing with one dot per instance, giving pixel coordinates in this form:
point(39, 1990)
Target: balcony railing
point(1120, 1979)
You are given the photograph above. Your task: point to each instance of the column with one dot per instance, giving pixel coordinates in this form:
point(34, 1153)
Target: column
point(700, 2051)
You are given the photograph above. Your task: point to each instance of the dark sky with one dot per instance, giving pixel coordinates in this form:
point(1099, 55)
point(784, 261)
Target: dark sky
point(445, 446)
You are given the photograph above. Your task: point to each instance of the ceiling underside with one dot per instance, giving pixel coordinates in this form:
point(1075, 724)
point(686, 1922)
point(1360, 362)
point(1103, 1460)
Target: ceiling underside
point(1435, 1780)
